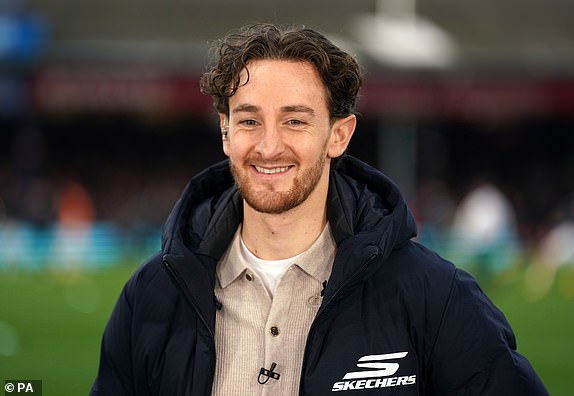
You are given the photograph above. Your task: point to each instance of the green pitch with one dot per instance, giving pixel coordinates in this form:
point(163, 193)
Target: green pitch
point(51, 324)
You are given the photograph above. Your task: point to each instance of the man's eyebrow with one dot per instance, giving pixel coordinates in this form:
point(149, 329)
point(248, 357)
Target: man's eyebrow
point(247, 108)
point(298, 109)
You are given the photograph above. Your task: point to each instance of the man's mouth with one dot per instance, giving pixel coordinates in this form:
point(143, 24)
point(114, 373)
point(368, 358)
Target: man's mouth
point(271, 171)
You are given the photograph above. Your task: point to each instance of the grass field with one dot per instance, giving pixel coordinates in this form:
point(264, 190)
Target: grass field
point(51, 324)
point(55, 321)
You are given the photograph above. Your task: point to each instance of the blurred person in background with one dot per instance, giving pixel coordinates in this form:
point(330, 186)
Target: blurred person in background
point(554, 253)
point(290, 268)
point(484, 231)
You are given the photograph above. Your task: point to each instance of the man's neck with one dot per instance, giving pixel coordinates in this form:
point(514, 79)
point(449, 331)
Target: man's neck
point(280, 236)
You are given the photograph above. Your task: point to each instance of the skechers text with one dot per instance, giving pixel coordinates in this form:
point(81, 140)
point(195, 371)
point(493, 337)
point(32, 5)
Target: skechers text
point(379, 378)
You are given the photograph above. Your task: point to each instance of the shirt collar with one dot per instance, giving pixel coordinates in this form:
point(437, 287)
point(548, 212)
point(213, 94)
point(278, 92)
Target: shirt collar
point(232, 263)
point(317, 261)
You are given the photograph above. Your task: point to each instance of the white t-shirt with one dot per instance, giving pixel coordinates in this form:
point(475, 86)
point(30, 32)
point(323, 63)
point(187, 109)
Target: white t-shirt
point(271, 271)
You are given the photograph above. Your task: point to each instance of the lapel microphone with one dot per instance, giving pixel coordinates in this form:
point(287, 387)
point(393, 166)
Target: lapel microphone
point(263, 372)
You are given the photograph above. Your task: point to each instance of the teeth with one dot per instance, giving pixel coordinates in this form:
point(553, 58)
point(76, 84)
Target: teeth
point(272, 170)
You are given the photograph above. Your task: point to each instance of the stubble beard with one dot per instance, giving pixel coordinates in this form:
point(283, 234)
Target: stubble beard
point(277, 202)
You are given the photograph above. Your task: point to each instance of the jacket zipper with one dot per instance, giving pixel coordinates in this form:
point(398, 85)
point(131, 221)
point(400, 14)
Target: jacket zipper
point(195, 307)
point(368, 261)
point(189, 298)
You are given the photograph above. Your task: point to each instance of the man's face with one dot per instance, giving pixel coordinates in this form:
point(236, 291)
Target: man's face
point(279, 135)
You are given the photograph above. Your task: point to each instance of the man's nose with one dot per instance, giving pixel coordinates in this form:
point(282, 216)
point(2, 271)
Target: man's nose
point(270, 144)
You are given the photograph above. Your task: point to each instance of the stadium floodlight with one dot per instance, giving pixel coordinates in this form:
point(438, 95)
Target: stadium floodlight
point(395, 35)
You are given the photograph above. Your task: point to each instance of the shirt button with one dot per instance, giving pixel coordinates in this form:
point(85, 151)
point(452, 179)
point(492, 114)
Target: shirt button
point(248, 276)
point(315, 301)
point(274, 331)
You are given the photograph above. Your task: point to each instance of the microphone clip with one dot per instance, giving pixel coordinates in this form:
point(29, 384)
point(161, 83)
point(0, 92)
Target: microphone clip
point(263, 372)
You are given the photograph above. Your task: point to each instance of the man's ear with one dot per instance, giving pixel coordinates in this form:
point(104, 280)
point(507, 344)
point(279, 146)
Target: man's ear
point(341, 133)
point(224, 126)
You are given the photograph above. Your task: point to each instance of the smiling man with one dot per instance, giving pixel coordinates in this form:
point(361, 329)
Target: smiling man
point(280, 140)
point(290, 269)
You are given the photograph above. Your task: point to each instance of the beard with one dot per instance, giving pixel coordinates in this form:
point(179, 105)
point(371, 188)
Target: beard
point(276, 202)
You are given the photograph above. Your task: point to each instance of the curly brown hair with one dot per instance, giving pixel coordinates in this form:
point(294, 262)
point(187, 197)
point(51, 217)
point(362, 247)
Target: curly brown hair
point(338, 70)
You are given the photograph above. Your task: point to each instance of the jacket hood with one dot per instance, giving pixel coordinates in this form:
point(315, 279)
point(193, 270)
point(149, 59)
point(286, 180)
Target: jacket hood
point(209, 209)
point(369, 219)
point(363, 204)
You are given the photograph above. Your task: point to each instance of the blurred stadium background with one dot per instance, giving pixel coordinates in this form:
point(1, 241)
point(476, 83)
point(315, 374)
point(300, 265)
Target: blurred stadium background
point(468, 106)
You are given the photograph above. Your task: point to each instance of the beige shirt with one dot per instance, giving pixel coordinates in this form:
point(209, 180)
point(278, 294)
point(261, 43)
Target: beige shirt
point(254, 330)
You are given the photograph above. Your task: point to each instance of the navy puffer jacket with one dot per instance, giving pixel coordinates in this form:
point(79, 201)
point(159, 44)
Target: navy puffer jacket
point(396, 319)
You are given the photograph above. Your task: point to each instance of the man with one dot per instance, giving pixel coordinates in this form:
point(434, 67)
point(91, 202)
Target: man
point(290, 268)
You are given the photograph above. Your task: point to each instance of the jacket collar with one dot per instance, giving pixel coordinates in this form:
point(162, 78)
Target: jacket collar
point(361, 200)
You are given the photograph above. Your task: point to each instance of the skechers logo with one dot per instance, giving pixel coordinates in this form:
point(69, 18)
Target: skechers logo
point(380, 377)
